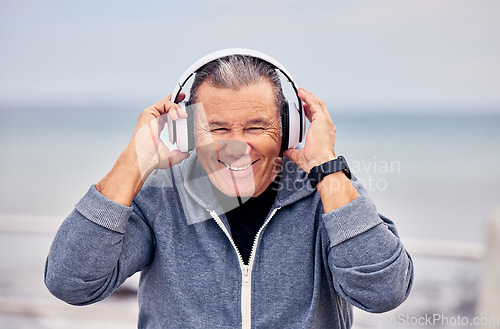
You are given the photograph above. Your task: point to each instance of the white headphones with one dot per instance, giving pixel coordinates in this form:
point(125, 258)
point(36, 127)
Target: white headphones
point(293, 123)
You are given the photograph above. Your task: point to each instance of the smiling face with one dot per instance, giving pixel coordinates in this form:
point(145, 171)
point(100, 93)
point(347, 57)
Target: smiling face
point(238, 137)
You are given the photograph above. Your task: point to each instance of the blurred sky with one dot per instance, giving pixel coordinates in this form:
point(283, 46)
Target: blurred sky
point(370, 55)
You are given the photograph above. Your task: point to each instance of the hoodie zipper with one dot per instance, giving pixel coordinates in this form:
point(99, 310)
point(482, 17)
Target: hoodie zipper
point(246, 270)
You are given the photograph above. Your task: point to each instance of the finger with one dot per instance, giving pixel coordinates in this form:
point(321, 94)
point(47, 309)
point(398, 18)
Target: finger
point(309, 98)
point(158, 108)
point(307, 112)
point(181, 113)
point(162, 107)
point(177, 113)
point(180, 97)
point(315, 104)
point(173, 115)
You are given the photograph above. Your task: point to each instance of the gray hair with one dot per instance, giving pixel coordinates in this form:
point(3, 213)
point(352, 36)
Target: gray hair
point(236, 71)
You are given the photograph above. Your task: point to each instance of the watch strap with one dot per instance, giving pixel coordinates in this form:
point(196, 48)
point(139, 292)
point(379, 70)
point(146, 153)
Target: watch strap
point(317, 173)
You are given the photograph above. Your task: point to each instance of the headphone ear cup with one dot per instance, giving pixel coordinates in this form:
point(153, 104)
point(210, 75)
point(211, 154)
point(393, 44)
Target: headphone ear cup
point(179, 130)
point(294, 121)
point(285, 127)
point(172, 130)
point(190, 126)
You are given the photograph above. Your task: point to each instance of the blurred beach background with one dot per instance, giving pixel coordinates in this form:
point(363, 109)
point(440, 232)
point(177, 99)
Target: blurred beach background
point(413, 88)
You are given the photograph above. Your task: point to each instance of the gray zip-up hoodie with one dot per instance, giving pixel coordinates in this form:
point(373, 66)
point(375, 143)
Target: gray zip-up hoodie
point(306, 268)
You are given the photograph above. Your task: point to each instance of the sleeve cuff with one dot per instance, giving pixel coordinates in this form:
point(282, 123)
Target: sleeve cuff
point(350, 220)
point(103, 211)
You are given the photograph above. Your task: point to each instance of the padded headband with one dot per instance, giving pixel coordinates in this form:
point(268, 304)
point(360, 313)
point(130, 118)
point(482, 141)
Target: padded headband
point(238, 51)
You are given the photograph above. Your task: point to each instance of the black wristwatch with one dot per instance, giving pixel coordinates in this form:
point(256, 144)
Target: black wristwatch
point(317, 173)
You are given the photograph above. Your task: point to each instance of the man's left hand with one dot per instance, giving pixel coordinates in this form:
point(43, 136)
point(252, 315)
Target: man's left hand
point(320, 138)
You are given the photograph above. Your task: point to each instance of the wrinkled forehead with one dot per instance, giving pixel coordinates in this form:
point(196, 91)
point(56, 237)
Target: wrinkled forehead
point(254, 102)
point(238, 107)
point(256, 95)
point(235, 113)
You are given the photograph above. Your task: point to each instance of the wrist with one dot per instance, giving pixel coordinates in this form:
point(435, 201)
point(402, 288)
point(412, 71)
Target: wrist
point(317, 173)
point(336, 190)
point(320, 159)
point(138, 160)
point(123, 181)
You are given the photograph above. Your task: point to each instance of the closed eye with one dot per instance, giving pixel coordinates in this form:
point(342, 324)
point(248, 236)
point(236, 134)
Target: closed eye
point(219, 130)
point(255, 128)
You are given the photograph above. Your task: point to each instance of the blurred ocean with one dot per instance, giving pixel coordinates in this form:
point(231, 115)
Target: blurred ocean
point(436, 175)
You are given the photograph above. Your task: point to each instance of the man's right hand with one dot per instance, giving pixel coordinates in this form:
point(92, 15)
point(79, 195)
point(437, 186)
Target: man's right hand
point(143, 154)
point(151, 152)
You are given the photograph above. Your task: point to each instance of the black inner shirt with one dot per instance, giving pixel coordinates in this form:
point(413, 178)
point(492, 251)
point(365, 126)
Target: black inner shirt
point(246, 220)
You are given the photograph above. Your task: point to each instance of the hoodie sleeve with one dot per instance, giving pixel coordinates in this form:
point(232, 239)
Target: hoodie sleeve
point(99, 245)
point(369, 265)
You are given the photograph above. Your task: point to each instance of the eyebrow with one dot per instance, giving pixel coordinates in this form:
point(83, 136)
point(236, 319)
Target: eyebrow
point(215, 123)
point(257, 122)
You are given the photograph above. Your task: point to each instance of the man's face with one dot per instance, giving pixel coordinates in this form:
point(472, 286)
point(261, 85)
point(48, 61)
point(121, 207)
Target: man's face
point(238, 137)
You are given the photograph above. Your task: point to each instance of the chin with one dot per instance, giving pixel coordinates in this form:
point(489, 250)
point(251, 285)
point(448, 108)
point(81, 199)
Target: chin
point(242, 188)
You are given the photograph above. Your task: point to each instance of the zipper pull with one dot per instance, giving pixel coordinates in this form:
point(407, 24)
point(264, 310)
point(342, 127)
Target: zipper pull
point(246, 274)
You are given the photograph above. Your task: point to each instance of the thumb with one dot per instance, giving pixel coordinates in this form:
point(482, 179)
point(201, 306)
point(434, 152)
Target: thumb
point(174, 157)
point(297, 157)
point(292, 154)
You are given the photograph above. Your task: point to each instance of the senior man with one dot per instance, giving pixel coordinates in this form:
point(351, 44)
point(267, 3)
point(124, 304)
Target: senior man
point(286, 256)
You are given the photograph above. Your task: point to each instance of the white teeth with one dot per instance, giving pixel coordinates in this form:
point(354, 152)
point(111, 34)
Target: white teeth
point(236, 168)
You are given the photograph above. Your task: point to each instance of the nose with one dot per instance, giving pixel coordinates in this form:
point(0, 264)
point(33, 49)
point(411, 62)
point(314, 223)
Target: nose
point(233, 149)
